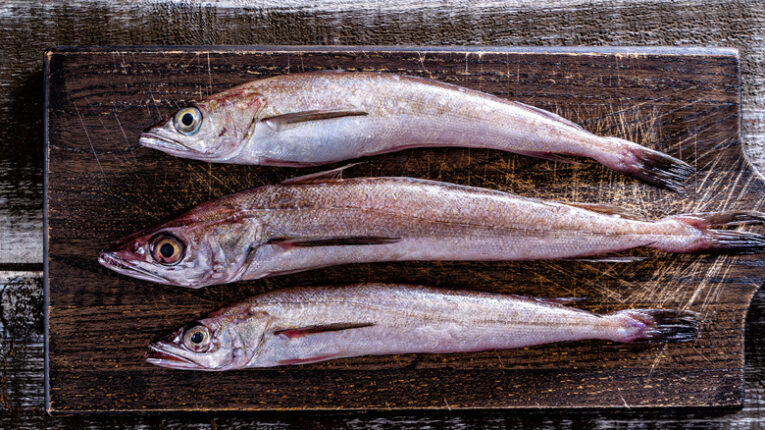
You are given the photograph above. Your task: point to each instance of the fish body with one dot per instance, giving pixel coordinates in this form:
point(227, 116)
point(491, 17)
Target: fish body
point(323, 117)
point(306, 325)
point(313, 223)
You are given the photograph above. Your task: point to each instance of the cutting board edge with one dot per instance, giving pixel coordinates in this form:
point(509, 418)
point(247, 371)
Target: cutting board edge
point(673, 51)
point(476, 49)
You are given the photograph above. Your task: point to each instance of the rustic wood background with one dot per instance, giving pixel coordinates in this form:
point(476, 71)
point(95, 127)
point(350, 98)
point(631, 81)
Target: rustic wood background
point(30, 28)
point(102, 185)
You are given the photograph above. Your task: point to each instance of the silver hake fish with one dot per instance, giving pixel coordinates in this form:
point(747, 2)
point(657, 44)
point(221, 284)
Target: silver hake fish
point(307, 325)
point(313, 222)
point(323, 117)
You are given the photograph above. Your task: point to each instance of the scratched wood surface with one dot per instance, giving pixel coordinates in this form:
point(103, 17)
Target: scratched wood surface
point(101, 185)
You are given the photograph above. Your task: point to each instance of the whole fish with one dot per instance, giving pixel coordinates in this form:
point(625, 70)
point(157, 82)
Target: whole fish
point(322, 117)
point(307, 325)
point(313, 222)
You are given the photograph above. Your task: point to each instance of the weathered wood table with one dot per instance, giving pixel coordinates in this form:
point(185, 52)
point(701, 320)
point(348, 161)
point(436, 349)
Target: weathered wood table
point(31, 27)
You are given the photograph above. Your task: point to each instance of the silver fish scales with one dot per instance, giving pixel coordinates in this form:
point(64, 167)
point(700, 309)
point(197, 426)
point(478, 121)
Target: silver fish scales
point(316, 222)
point(322, 117)
point(306, 325)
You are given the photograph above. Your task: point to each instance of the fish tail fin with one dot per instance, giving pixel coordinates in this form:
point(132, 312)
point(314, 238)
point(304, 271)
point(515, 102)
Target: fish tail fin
point(728, 218)
point(735, 242)
point(647, 164)
point(655, 325)
point(722, 241)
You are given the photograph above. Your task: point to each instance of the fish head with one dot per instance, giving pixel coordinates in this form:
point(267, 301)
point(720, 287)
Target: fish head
point(215, 130)
point(225, 340)
point(190, 251)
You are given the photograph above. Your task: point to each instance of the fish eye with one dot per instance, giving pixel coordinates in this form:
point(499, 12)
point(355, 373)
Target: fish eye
point(188, 120)
point(197, 338)
point(167, 249)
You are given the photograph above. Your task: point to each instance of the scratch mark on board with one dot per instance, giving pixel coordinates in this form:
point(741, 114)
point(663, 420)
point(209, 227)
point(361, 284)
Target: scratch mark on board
point(701, 354)
point(85, 129)
point(657, 360)
point(624, 402)
point(422, 64)
point(198, 85)
point(209, 76)
point(124, 136)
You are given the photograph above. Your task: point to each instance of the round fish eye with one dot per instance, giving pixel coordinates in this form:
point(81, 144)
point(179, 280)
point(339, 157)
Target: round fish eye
point(197, 338)
point(188, 120)
point(167, 249)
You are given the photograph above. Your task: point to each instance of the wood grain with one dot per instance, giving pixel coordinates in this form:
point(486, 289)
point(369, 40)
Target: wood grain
point(101, 186)
point(31, 27)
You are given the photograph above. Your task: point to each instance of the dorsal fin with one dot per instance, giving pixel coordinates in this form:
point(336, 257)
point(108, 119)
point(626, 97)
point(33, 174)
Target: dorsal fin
point(564, 301)
point(548, 114)
point(606, 209)
point(278, 121)
point(318, 176)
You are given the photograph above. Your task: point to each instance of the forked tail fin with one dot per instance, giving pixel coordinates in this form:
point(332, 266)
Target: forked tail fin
point(736, 242)
point(649, 165)
point(723, 241)
point(656, 325)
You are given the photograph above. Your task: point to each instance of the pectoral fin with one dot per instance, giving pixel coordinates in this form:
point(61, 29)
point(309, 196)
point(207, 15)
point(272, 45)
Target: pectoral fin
point(279, 121)
point(292, 333)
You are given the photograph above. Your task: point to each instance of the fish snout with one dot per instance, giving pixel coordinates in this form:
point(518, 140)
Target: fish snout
point(130, 264)
point(109, 260)
point(118, 255)
point(152, 140)
point(164, 356)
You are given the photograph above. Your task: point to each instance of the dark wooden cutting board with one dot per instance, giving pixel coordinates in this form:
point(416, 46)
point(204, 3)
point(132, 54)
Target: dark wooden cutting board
point(101, 185)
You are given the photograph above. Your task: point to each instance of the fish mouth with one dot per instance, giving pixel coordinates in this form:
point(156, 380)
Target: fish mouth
point(124, 267)
point(161, 355)
point(164, 144)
